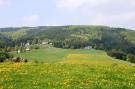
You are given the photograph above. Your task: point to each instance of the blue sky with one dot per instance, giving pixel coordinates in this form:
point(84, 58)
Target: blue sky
point(116, 13)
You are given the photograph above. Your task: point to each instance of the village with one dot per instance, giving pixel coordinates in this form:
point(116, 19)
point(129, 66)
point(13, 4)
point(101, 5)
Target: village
point(28, 47)
point(45, 44)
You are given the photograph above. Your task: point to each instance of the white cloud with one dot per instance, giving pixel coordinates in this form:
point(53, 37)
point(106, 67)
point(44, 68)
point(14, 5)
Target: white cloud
point(53, 24)
point(30, 20)
point(80, 3)
point(124, 19)
point(73, 4)
point(102, 12)
point(4, 2)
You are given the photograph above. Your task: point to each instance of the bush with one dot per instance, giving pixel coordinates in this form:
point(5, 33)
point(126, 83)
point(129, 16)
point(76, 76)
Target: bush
point(1, 60)
point(131, 58)
point(18, 59)
point(3, 56)
point(117, 55)
point(25, 60)
point(8, 55)
point(34, 47)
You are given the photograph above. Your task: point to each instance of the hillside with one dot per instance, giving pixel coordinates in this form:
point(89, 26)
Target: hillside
point(5, 41)
point(99, 37)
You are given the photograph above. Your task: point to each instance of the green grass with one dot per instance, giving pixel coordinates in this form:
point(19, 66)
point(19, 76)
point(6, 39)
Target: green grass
point(46, 55)
point(66, 76)
point(67, 69)
point(56, 54)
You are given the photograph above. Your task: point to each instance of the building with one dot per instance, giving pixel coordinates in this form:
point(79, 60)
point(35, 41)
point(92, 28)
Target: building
point(27, 44)
point(19, 51)
point(27, 49)
point(44, 43)
point(88, 47)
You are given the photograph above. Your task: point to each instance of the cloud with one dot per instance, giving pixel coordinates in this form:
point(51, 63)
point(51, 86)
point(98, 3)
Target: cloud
point(102, 12)
point(4, 3)
point(120, 20)
point(53, 24)
point(30, 20)
point(75, 4)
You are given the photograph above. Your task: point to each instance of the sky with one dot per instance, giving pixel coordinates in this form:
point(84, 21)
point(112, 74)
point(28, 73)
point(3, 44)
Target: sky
point(114, 13)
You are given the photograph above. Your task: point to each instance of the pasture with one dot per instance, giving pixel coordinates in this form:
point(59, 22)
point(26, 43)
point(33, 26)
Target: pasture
point(67, 69)
point(53, 55)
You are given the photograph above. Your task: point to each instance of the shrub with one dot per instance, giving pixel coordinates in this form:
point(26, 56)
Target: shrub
point(131, 58)
point(18, 59)
point(117, 55)
point(2, 55)
point(34, 47)
point(8, 55)
point(1, 60)
point(25, 60)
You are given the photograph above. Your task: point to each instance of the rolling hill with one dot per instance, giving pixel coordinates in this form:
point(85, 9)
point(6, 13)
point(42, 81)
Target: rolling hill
point(5, 41)
point(99, 37)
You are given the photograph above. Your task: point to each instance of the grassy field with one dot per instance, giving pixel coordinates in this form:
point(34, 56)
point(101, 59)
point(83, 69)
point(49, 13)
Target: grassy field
point(52, 55)
point(67, 69)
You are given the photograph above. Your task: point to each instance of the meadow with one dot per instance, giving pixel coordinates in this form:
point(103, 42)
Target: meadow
point(53, 55)
point(67, 69)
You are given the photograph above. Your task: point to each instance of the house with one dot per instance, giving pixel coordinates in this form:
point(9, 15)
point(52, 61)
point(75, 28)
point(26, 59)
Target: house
point(44, 43)
point(19, 51)
point(88, 47)
point(27, 49)
point(27, 44)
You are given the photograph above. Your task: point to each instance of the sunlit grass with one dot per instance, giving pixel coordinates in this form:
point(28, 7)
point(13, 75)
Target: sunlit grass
point(66, 76)
point(50, 55)
point(67, 69)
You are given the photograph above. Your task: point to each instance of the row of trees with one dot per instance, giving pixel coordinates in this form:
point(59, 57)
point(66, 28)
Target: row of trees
point(122, 56)
point(4, 56)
